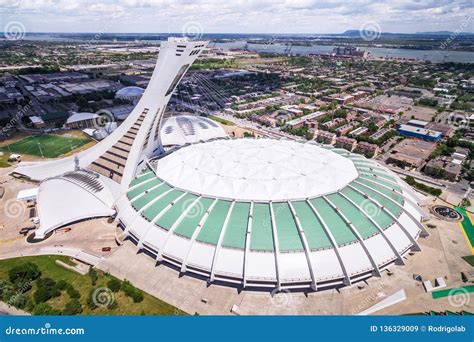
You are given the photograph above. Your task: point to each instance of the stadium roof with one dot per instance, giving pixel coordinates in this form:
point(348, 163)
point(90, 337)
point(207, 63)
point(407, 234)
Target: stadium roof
point(258, 170)
point(81, 117)
point(272, 211)
point(87, 197)
point(189, 129)
point(131, 91)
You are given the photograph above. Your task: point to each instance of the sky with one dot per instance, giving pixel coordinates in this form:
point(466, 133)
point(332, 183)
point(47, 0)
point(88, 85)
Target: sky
point(237, 16)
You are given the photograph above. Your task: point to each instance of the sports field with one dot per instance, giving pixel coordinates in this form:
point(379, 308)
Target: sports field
point(468, 227)
point(48, 146)
point(453, 292)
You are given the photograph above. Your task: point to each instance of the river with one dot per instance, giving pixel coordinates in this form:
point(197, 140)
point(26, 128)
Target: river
point(430, 55)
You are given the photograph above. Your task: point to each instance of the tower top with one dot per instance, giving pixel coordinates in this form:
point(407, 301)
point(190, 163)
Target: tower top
point(178, 39)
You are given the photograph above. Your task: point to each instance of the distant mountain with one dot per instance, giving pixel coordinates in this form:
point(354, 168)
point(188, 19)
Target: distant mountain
point(356, 33)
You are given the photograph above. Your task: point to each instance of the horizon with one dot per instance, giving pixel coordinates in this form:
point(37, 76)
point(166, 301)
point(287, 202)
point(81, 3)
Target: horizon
point(238, 17)
point(249, 33)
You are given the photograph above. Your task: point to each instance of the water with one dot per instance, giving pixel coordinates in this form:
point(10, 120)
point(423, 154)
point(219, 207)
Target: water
point(430, 55)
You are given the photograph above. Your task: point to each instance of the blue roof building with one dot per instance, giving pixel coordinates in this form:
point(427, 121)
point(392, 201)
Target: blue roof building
point(420, 133)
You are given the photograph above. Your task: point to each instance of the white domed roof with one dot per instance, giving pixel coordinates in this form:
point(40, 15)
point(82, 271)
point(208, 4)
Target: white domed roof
point(189, 129)
point(257, 170)
point(131, 91)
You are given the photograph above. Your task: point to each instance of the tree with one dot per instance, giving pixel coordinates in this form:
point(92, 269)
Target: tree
point(73, 293)
point(23, 275)
point(19, 300)
point(62, 285)
point(44, 309)
point(6, 290)
point(93, 275)
point(465, 203)
point(132, 292)
point(249, 135)
point(91, 302)
point(340, 113)
point(114, 285)
point(46, 289)
point(73, 307)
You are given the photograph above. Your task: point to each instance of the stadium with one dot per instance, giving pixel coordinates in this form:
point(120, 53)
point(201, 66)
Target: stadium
point(251, 213)
point(130, 93)
point(272, 213)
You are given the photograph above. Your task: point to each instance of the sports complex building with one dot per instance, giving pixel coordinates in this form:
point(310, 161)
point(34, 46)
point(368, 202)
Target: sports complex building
point(245, 212)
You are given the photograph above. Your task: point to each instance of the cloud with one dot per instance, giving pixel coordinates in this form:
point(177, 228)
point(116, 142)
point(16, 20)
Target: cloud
point(271, 16)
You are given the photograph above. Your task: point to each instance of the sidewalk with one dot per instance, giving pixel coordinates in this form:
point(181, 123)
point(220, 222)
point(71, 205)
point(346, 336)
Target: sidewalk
point(12, 311)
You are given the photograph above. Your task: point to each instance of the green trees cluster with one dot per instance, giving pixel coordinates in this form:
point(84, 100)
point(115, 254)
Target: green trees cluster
point(93, 275)
point(114, 285)
point(132, 291)
point(45, 290)
point(423, 187)
point(21, 279)
point(22, 276)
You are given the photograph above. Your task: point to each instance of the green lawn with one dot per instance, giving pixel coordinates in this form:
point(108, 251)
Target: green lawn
point(48, 267)
point(221, 121)
point(469, 259)
point(49, 146)
point(452, 292)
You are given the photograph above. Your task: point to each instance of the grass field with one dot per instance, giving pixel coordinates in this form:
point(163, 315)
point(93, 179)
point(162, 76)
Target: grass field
point(221, 121)
point(48, 267)
point(49, 146)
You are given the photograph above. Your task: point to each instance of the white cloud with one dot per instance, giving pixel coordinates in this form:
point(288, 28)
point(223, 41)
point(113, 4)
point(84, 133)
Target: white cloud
point(272, 16)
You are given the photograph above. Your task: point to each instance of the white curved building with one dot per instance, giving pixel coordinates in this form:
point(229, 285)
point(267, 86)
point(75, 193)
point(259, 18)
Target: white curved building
point(131, 93)
point(247, 212)
point(272, 213)
point(82, 120)
point(188, 129)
